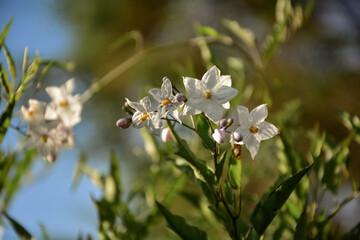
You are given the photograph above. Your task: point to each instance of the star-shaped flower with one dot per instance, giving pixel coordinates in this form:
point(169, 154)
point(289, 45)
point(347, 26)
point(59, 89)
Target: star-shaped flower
point(167, 99)
point(35, 112)
point(253, 127)
point(64, 105)
point(145, 117)
point(210, 95)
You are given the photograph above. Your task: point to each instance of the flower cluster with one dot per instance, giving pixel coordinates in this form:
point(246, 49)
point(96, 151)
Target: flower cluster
point(211, 96)
point(50, 125)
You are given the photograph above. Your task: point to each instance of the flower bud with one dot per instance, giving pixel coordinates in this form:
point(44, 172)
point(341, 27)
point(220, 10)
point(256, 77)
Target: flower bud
point(123, 123)
point(237, 137)
point(166, 135)
point(229, 122)
point(180, 97)
point(223, 123)
point(51, 157)
point(219, 135)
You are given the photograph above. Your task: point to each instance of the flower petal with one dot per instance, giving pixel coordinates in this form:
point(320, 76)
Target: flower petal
point(146, 103)
point(259, 114)
point(225, 94)
point(137, 106)
point(194, 87)
point(194, 106)
point(226, 105)
point(267, 130)
point(214, 111)
point(69, 86)
point(55, 93)
point(211, 78)
point(244, 116)
point(166, 88)
point(252, 144)
point(156, 93)
point(225, 81)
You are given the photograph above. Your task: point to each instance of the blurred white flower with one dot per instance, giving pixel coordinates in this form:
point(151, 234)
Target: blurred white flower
point(144, 117)
point(210, 95)
point(35, 112)
point(167, 99)
point(64, 105)
point(253, 127)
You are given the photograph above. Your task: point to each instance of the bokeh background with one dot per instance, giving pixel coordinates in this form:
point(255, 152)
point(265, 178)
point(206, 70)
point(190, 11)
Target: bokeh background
point(320, 65)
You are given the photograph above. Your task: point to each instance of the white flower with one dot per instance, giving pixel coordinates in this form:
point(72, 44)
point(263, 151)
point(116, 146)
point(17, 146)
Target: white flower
point(35, 112)
point(45, 138)
point(219, 135)
point(253, 127)
point(167, 99)
point(144, 117)
point(210, 95)
point(64, 105)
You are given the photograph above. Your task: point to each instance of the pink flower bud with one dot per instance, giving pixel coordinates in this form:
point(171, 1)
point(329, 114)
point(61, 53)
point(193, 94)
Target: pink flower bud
point(223, 123)
point(166, 135)
point(180, 97)
point(51, 157)
point(237, 137)
point(219, 135)
point(123, 123)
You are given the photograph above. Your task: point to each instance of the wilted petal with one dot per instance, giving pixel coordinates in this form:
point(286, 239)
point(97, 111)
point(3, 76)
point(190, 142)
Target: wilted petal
point(259, 113)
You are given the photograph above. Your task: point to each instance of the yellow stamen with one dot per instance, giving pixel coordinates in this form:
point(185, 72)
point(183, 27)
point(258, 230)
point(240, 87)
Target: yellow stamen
point(44, 138)
point(208, 95)
point(63, 103)
point(165, 102)
point(144, 117)
point(253, 129)
point(30, 113)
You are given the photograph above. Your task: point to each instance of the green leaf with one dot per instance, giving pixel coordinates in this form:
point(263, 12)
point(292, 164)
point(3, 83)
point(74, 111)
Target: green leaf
point(115, 175)
point(45, 232)
point(180, 227)
point(20, 230)
point(301, 227)
point(244, 34)
point(204, 131)
point(4, 80)
point(271, 202)
point(332, 173)
point(10, 62)
point(183, 150)
point(4, 32)
point(6, 117)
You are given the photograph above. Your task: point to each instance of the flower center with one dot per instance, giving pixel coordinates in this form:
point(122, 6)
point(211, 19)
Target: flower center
point(208, 95)
point(253, 129)
point(144, 117)
point(63, 103)
point(44, 138)
point(30, 113)
point(165, 102)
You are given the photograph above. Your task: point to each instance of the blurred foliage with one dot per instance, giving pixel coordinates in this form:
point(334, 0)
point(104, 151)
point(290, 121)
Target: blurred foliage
point(311, 159)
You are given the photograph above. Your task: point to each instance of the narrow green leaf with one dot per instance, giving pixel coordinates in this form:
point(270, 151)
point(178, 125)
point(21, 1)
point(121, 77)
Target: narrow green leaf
point(6, 117)
point(4, 32)
point(180, 227)
point(4, 80)
point(78, 170)
point(204, 131)
point(10, 61)
point(271, 202)
point(115, 174)
point(244, 34)
point(20, 230)
point(301, 227)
